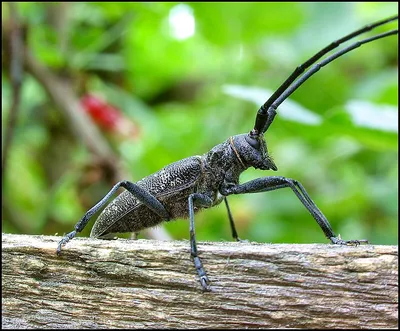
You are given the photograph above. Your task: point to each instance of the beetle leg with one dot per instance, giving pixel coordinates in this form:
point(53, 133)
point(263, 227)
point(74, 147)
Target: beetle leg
point(276, 182)
point(142, 195)
point(231, 222)
point(199, 200)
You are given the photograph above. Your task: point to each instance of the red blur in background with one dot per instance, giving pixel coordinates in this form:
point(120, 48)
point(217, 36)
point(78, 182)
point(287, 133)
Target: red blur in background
point(109, 117)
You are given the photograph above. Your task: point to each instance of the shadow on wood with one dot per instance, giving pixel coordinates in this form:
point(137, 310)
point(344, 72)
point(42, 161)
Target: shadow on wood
point(153, 284)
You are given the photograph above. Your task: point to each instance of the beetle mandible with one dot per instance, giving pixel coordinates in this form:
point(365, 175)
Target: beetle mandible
point(183, 188)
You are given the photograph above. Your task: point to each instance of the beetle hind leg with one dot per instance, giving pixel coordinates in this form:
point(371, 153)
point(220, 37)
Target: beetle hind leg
point(142, 195)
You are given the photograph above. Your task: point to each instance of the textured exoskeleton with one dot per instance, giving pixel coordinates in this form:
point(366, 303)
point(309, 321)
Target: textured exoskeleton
point(187, 186)
point(217, 170)
point(171, 186)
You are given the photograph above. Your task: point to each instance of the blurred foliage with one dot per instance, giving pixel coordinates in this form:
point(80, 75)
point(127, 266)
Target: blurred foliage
point(174, 88)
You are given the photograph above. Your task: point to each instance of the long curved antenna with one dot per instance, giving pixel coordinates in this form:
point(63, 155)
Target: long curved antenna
point(266, 113)
point(319, 65)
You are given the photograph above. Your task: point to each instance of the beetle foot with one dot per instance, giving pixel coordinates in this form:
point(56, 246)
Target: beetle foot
point(339, 241)
point(202, 274)
point(64, 240)
point(204, 283)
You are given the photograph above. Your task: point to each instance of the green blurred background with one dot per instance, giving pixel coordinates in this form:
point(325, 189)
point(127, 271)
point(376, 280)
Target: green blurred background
point(186, 76)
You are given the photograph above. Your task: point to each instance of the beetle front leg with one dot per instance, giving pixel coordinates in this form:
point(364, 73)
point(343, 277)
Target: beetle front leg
point(276, 182)
point(200, 200)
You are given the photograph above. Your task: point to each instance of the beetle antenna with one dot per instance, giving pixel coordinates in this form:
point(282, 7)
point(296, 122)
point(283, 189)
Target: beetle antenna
point(267, 111)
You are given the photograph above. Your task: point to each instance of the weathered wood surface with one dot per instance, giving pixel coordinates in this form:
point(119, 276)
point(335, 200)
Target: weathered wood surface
point(152, 284)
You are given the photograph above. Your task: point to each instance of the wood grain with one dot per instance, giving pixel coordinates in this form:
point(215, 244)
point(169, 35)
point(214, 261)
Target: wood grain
point(153, 284)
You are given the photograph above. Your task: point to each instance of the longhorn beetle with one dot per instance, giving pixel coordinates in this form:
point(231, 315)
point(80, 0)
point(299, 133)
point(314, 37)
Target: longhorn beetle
point(183, 188)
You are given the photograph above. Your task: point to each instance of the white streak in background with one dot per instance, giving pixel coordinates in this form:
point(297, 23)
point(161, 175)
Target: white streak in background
point(241, 52)
point(181, 21)
point(371, 115)
point(289, 110)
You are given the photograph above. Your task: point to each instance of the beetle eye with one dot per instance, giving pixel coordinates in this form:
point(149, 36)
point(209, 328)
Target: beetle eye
point(253, 142)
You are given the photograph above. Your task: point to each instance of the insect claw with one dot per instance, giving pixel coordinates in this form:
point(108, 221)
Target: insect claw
point(204, 283)
point(64, 240)
point(359, 242)
point(338, 241)
point(352, 243)
point(59, 249)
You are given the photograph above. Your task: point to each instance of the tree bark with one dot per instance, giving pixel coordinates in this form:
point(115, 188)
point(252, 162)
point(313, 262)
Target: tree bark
point(153, 284)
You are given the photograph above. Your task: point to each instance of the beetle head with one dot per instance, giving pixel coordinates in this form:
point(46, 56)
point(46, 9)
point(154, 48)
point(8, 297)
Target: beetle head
point(252, 151)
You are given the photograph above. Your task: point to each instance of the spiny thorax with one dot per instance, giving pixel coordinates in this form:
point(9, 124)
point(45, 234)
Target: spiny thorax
point(224, 163)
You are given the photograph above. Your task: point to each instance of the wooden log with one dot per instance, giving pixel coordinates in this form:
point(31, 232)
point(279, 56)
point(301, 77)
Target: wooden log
point(153, 284)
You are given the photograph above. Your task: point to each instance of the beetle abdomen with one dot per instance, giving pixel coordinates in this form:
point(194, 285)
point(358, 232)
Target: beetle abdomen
point(127, 214)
